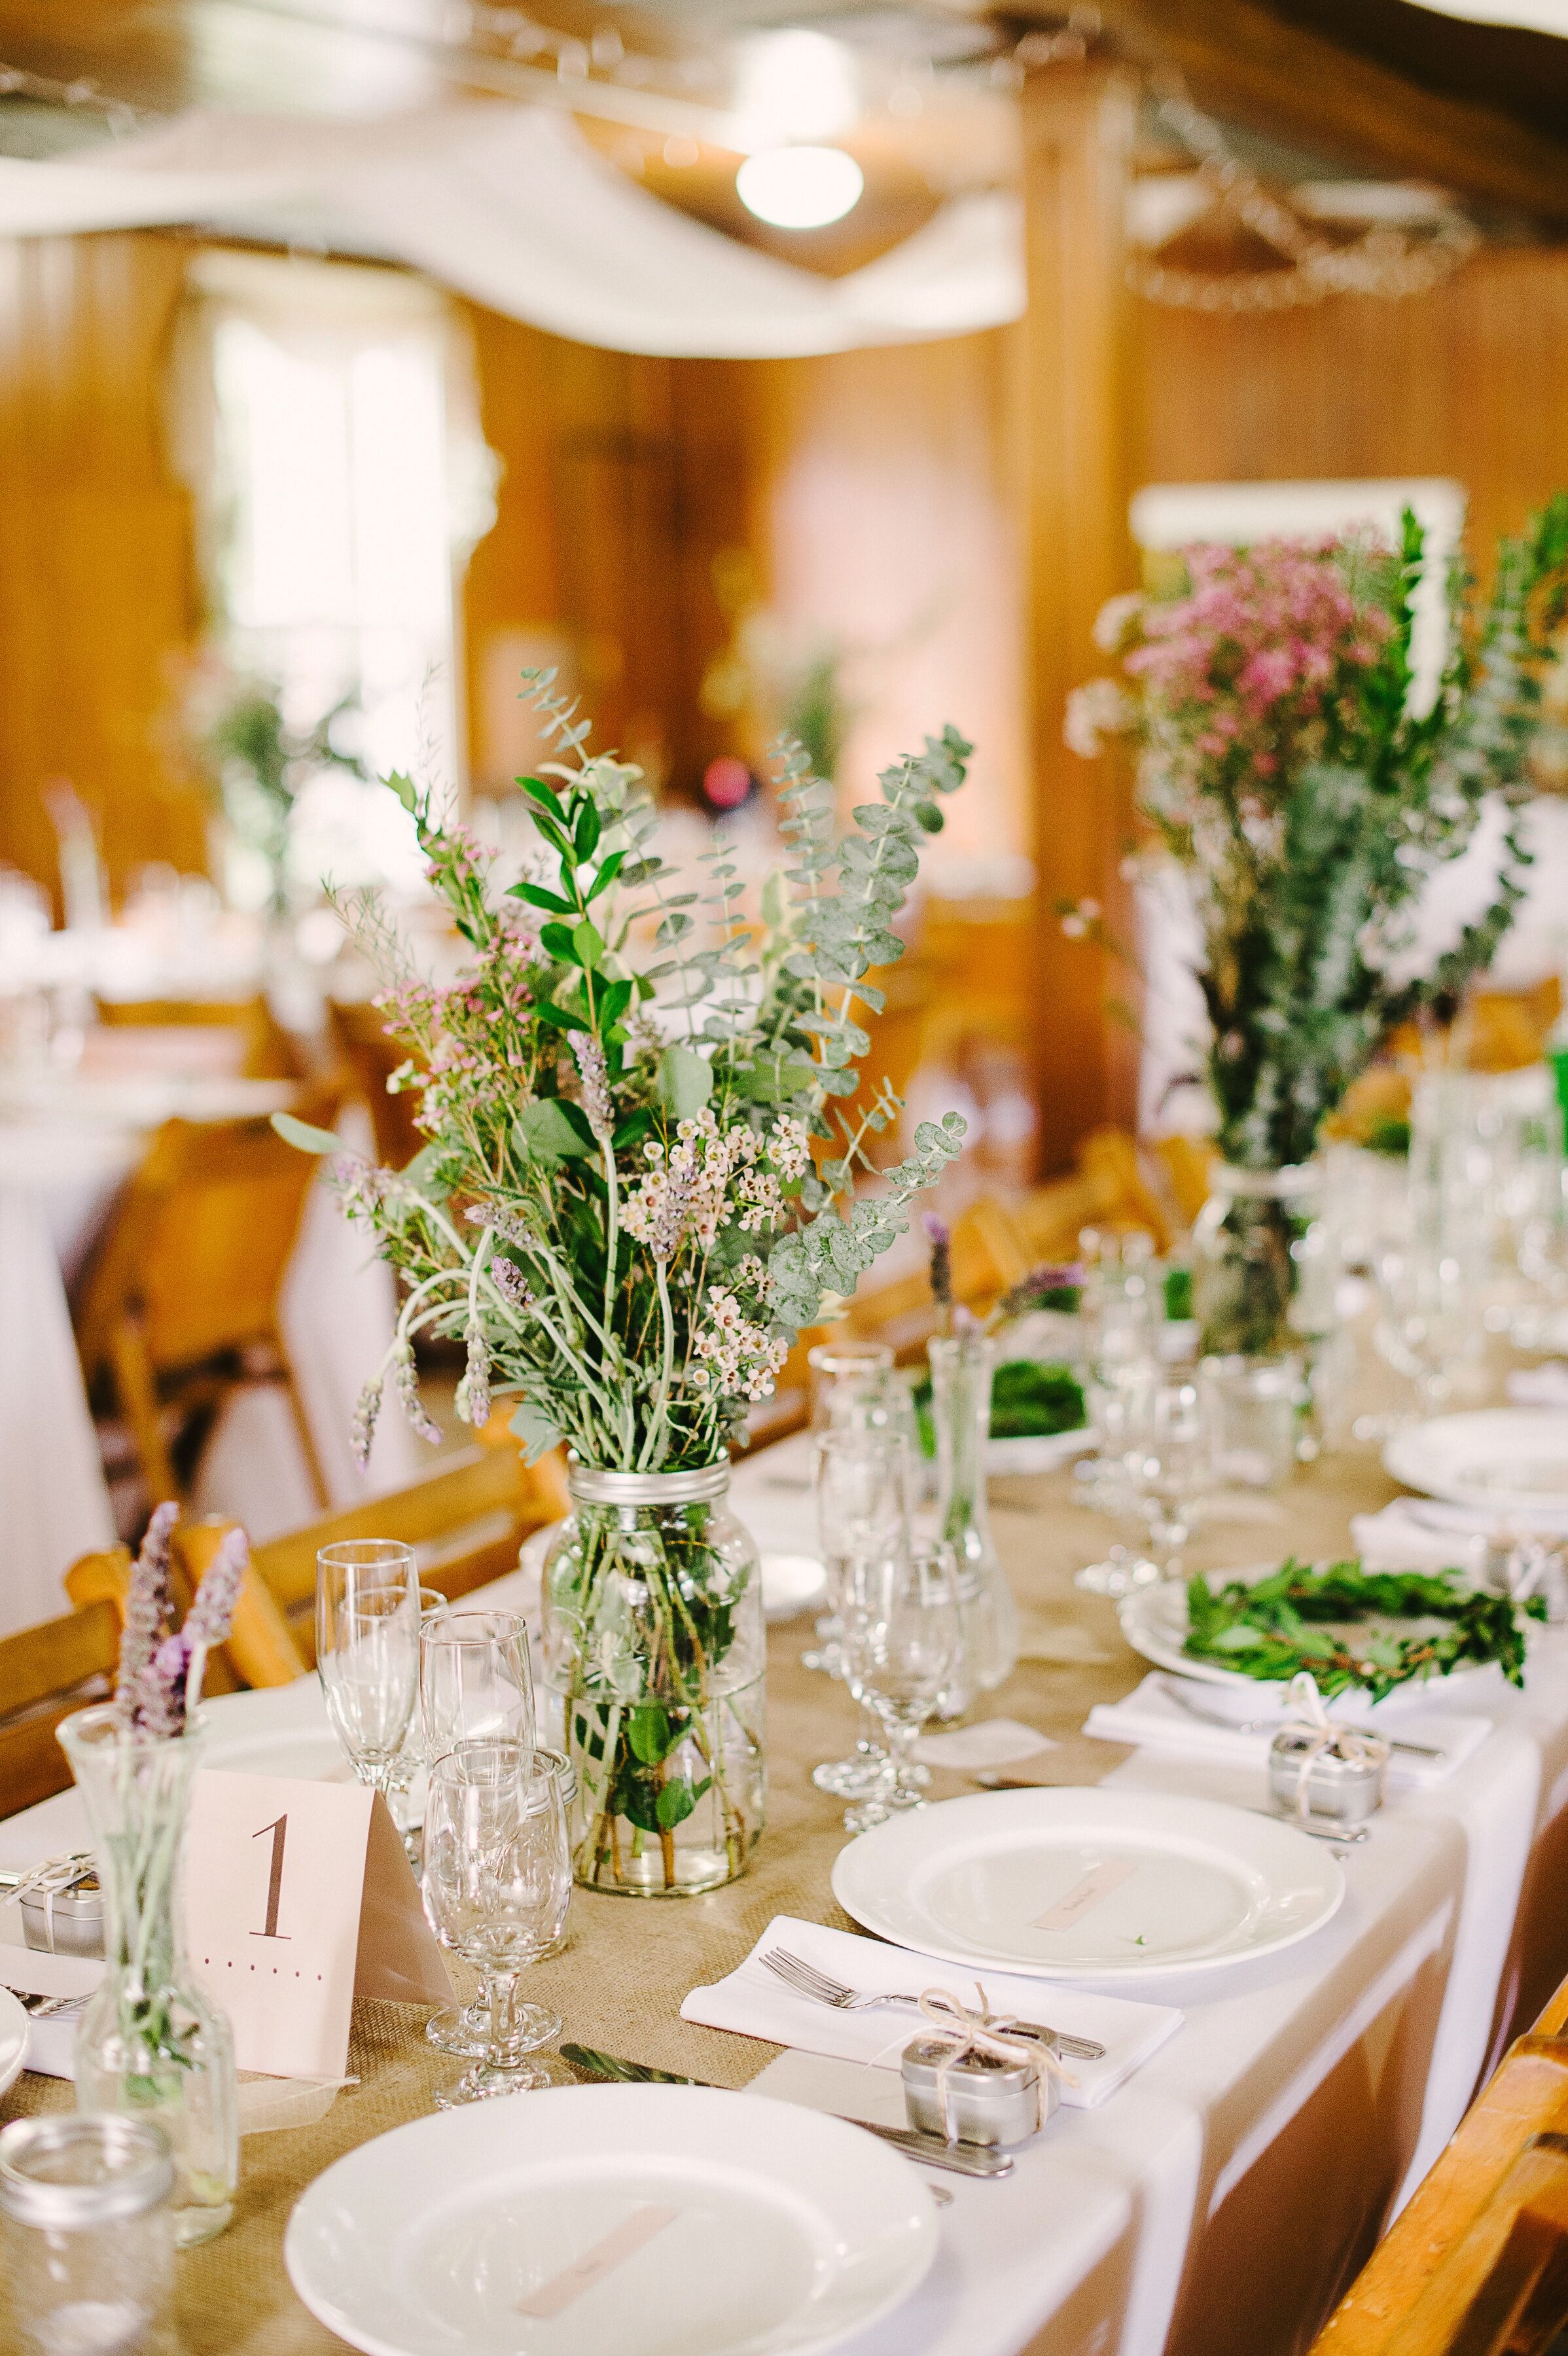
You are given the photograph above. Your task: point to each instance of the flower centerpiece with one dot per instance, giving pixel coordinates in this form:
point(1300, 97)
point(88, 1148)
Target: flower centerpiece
point(150, 2042)
point(621, 1214)
point(1288, 762)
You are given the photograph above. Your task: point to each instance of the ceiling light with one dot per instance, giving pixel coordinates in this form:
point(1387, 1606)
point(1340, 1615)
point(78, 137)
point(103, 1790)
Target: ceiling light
point(795, 85)
point(799, 187)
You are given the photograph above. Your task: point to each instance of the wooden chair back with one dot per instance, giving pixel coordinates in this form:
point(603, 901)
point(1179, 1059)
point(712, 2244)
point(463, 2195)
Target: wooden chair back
point(45, 1674)
point(1477, 2263)
point(466, 1522)
point(198, 1245)
point(267, 1054)
point(106, 1579)
point(361, 1034)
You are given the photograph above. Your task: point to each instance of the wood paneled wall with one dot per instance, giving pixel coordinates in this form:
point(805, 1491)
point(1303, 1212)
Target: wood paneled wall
point(1470, 381)
point(624, 476)
point(97, 584)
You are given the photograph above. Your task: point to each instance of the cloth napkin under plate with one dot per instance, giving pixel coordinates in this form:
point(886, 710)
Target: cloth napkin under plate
point(1153, 1720)
point(1404, 1538)
point(754, 2002)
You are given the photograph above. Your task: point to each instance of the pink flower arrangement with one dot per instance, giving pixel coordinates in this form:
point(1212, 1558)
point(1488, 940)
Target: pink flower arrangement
point(1250, 672)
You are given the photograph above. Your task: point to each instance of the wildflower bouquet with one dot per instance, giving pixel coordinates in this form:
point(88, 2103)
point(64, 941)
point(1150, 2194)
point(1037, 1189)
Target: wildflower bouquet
point(621, 1214)
point(1284, 762)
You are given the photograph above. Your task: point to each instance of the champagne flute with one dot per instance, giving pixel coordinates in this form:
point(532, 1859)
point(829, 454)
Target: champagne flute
point(475, 1683)
point(498, 1883)
point(1170, 1469)
point(904, 1644)
point(367, 1650)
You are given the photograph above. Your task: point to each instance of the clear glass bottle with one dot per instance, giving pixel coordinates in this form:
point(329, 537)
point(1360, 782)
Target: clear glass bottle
point(86, 2236)
point(962, 1369)
point(654, 1660)
point(151, 2044)
point(1261, 1283)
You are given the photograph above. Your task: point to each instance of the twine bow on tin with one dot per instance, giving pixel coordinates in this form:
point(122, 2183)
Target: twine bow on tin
point(1305, 1714)
point(966, 2033)
point(53, 1877)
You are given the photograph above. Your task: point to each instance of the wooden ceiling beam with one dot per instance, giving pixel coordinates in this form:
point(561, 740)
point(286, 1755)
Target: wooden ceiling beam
point(1250, 67)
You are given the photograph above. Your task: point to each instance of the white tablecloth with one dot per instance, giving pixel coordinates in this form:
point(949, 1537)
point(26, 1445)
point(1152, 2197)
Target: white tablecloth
point(1219, 2203)
point(59, 1177)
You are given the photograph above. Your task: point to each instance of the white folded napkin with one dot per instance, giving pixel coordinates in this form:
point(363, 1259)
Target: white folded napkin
point(1153, 1720)
point(754, 2002)
point(30, 1971)
point(1544, 1385)
point(994, 1742)
point(1404, 1538)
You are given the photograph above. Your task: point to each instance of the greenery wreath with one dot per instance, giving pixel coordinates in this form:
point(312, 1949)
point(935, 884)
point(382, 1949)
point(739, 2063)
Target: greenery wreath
point(1274, 1627)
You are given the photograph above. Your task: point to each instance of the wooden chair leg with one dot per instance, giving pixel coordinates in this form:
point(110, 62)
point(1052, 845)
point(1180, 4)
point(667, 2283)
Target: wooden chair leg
point(136, 1386)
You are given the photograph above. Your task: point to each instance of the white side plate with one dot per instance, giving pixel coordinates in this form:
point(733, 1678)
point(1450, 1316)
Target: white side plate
point(785, 2232)
point(1065, 1884)
point(1506, 1459)
point(13, 2037)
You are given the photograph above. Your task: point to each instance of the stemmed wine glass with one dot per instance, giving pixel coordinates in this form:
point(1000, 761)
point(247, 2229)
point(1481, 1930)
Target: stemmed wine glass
point(903, 1642)
point(367, 1650)
point(1170, 1468)
point(862, 1517)
point(498, 1883)
point(474, 1682)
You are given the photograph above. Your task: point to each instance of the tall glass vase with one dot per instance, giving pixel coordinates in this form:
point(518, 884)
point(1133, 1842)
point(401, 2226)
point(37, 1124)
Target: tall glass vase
point(1260, 1271)
point(654, 1656)
point(150, 2043)
point(962, 1369)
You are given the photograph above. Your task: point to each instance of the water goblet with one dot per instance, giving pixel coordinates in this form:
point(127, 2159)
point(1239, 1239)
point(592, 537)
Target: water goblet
point(497, 1884)
point(1171, 1468)
point(863, 1517)
point(367, 1650)
point(474, 1682)
point(904, 1644)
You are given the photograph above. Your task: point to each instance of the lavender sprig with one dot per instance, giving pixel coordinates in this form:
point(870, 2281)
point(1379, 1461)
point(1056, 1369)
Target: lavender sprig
point(405, 1383)
point(596, 1104)
point(473, 1398)
point(362, 1430)
point(158, 1702)
point(149, 1608)
point(1032, 1290)
point(511, 1283)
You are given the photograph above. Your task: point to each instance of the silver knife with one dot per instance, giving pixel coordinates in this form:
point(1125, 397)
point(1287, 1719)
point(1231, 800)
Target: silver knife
point(960, 2159)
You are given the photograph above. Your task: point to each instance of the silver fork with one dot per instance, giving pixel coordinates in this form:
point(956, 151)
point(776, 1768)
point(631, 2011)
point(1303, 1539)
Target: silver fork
point(807, 1981)
point(40, 2007)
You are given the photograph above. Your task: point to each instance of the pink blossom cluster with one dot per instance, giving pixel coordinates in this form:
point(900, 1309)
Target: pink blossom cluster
point(1268, 641)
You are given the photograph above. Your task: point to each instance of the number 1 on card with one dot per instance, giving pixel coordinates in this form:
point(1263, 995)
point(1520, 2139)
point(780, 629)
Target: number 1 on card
point(279, 1831)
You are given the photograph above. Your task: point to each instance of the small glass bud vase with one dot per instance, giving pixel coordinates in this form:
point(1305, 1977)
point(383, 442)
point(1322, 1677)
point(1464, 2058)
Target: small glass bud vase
point(654, 1659)
point(962, 1369)
point(151, 2045)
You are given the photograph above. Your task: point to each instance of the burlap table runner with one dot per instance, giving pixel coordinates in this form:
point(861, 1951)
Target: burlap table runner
point(628, 1963)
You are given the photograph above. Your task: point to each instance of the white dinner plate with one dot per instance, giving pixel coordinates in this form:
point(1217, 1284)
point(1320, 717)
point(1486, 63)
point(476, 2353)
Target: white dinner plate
point(276, 1730)
point(13, 2036)
point(1064, 1884)
point(767, 2230)
point(1505, 1458)
point(1154, 1620)
point(792, 1583)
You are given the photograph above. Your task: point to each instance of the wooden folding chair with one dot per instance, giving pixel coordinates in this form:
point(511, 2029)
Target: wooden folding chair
point(466, 1522)
point(1476, 2263)
point(45, 1674)
point(268, 1053)
point(180, 1303)
point(372, 1056)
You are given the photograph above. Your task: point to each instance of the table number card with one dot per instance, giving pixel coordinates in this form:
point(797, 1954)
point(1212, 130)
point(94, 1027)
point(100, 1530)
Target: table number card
point(299, 1897)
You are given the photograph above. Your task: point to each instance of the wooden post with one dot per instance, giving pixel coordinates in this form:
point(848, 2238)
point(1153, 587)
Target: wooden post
point(1078, 125)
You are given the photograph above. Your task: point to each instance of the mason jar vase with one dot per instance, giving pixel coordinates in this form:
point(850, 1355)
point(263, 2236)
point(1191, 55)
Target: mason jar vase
point(654, 1659)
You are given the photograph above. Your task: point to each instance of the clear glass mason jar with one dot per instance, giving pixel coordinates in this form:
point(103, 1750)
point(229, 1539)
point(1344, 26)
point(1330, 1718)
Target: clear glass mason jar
point(962, 1369)
point(654, 1659)
point(1260, 1277)
point(86, 2237)
point(150, 2043)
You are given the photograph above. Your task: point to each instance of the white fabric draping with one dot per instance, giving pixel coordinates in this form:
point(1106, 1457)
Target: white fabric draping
point(511, 205)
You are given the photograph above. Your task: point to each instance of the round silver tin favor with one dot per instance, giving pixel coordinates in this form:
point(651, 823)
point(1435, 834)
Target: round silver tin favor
point(990, 2101)
point(67, 1921)
point(1340, 1790)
